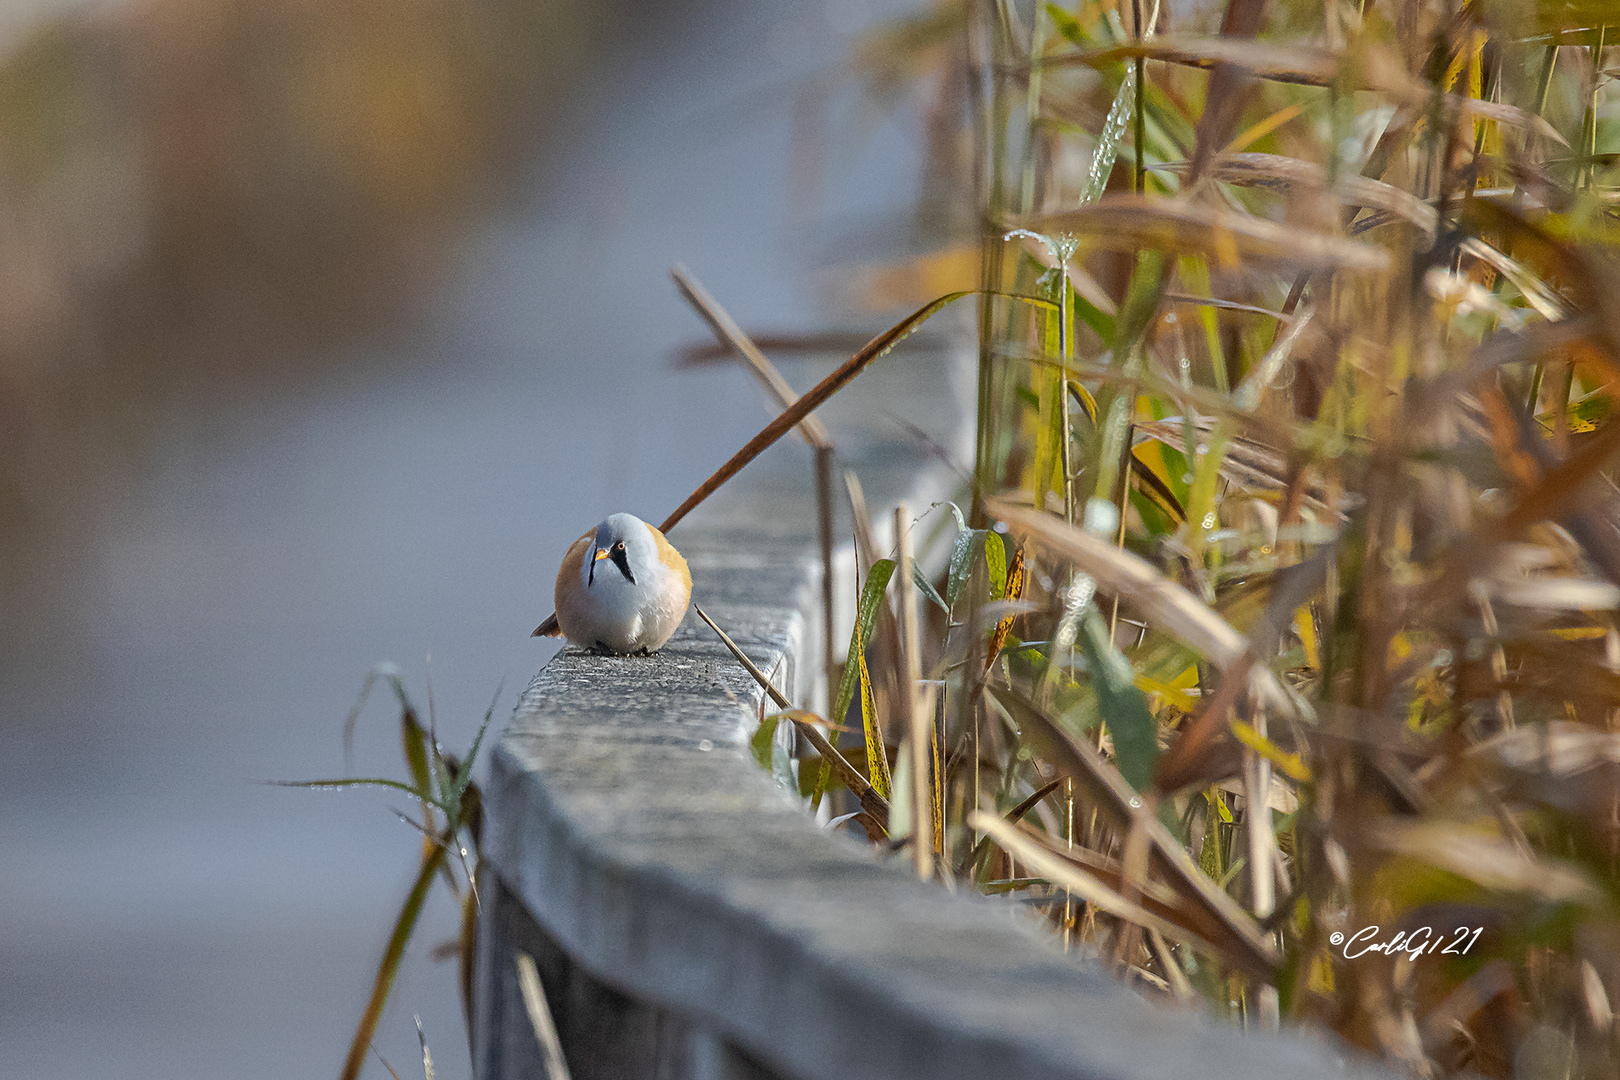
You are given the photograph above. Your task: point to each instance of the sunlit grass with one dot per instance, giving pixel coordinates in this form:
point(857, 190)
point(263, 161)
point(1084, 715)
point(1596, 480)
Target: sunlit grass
point(1295, 380)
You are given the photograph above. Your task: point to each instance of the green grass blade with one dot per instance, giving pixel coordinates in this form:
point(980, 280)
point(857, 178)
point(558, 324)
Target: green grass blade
point(1142, 298)
point(361, 781)
point(877, 580)
point(926, 587)
point(1106, 151)
point(1092, 315)
point(877, 756)
point(1124, 707)
point(968, 541)
point(414, 740)
point(1067, 25)
point(995, 561)
point(381, 671)
point(961, 564)
point(763, 738)
point(464, 776)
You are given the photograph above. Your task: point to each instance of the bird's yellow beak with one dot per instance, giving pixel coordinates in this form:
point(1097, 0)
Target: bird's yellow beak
point(603, 553)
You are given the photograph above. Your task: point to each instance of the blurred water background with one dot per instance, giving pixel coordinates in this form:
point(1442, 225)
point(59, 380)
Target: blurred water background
point(325, 325)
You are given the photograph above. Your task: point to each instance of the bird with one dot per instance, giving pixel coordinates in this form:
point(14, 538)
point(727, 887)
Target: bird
point(622, 588)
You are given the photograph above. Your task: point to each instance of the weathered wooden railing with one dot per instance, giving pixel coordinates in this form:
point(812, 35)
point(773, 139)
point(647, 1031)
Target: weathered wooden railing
point(690, 920)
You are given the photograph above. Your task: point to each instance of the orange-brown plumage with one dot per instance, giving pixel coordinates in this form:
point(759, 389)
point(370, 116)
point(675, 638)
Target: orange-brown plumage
point(670, 557)
point(574, 559)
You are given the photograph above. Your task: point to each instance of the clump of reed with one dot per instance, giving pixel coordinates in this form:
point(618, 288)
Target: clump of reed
point(1284, 604)
point(450, 820)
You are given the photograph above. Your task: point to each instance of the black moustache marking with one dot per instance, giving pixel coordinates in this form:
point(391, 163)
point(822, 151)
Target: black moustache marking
point(590, 577)
point(621, 559)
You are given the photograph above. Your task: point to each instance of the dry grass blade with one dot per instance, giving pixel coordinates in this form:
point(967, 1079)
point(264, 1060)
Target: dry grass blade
point(1128, 223)
point(1287, 175)
point(1048, 863)
point(1157, 898)
point(1131, 577)
point(1503, 113)
point(700, 354)
point(1561, 486)
point(1546, 302)
point(539, 1010)
point(1119, 805)
point(1247, 463)
point(1270, 366)
point(1227, 91)
point(812, 400)
point(384, 1062)
point(1302, 65)
point(392, 955)
point(1014, 815)
point(1283, 63)
point(1558, 749)
point(865, 540)
point(1529, 344)
point(873, 803)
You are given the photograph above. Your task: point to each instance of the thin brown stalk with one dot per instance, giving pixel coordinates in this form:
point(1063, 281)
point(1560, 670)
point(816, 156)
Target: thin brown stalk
point(826, 464)
point(812, 400)
point(539, 1010)
point(726, 329)
point(871, 802)
point(1013, 816)
point(865, 541)
point(811, 428)
point(916, 719)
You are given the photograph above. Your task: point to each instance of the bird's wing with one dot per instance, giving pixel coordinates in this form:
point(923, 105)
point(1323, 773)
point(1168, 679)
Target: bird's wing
point(568, 572)
point(671, 558)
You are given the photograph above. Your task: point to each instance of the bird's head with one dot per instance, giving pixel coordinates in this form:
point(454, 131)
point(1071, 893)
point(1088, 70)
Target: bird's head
point(620, 540)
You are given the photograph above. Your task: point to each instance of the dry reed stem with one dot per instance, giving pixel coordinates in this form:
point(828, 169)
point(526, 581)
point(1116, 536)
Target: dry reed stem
point(811, 428)
point(917, 713)
point(539, 1010)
